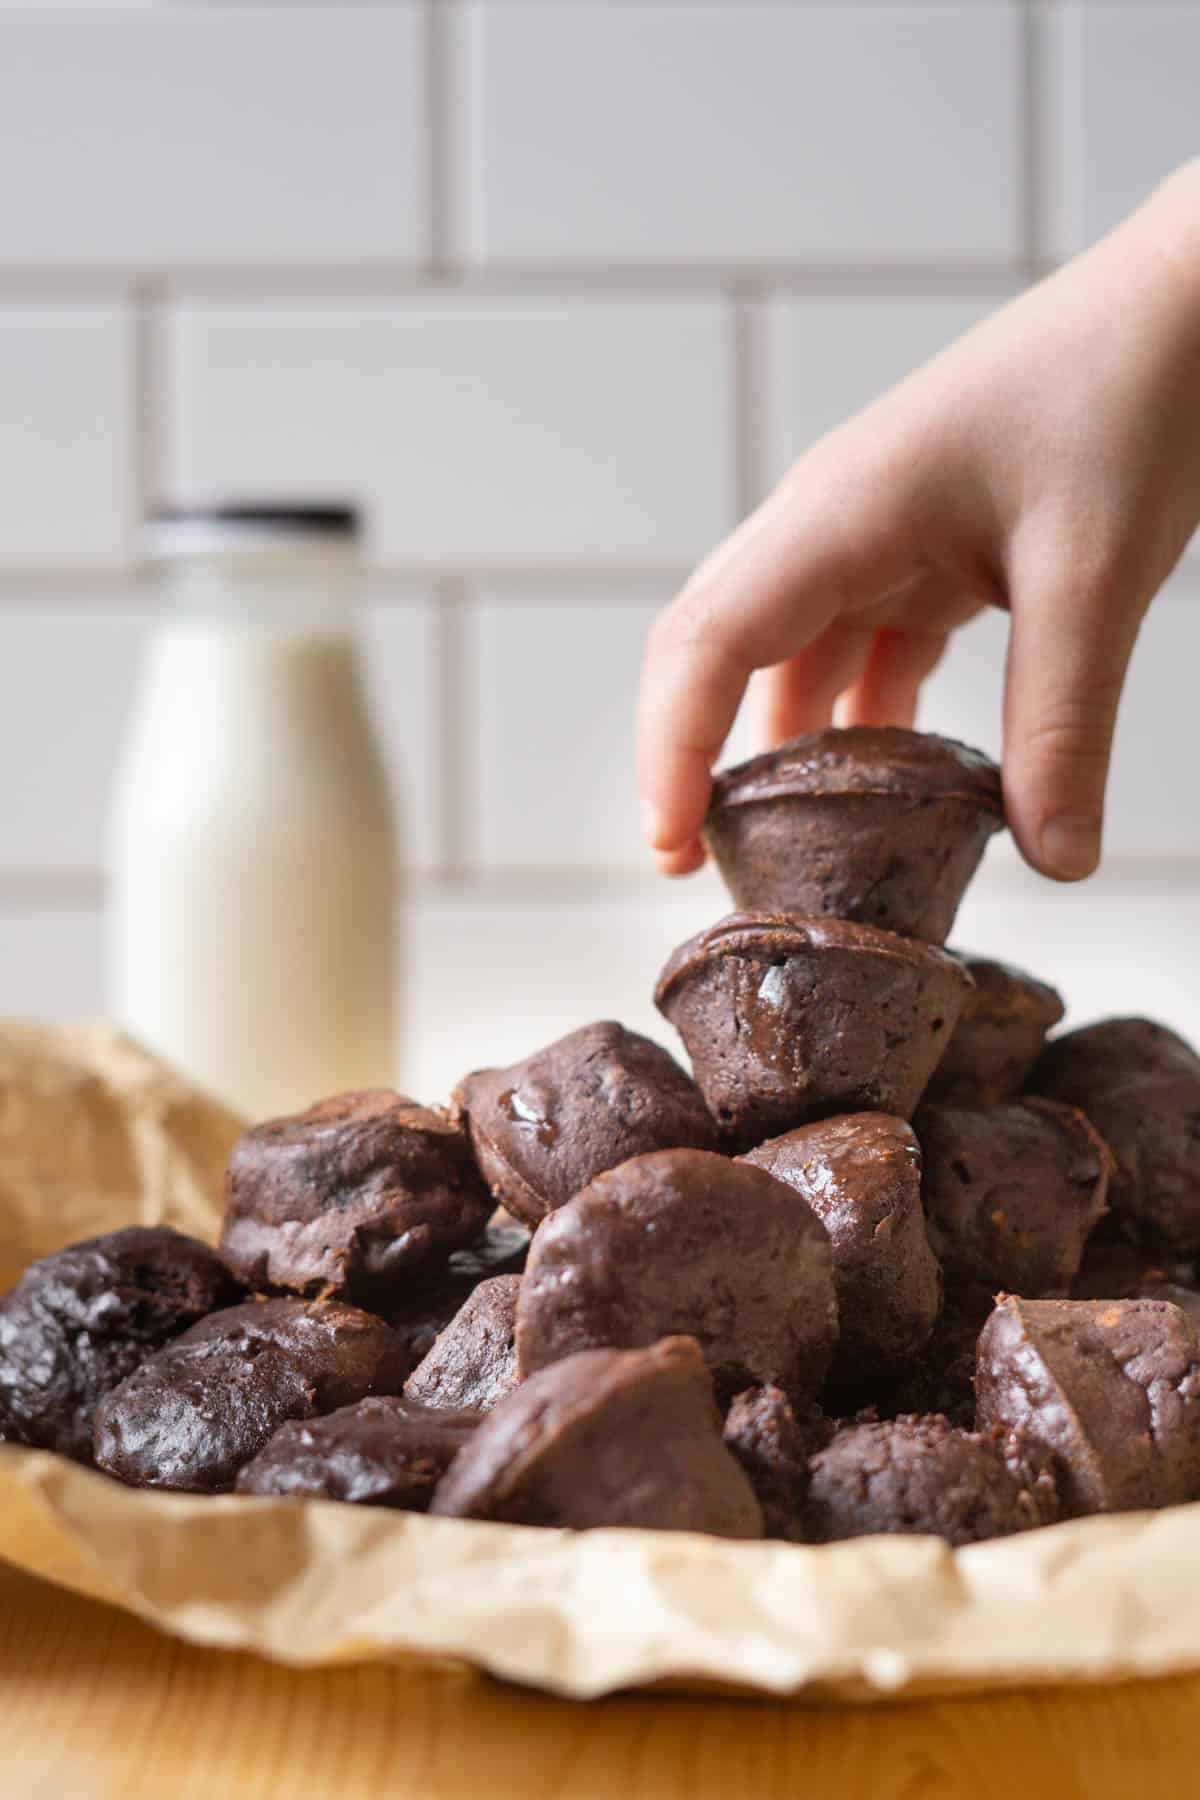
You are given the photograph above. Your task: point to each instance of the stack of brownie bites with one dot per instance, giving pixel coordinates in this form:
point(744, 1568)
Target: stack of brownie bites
point(886, 1261)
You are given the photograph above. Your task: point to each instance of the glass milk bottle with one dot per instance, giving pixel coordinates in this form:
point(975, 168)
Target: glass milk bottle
point(252, 860)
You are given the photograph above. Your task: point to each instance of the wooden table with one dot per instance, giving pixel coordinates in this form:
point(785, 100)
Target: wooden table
point(94, 1704)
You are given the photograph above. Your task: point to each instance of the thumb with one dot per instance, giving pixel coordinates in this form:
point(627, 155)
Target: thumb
point(1068, 656)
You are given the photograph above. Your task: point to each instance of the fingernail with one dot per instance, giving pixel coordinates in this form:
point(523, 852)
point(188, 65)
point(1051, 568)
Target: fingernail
point(1070, 845)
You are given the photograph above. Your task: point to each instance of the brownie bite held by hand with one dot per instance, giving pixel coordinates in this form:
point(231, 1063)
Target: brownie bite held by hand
point(861, 1175)
point(606, 1437)
point(685, 1241)
point(1111, 1388)
point(345, 1198)
point(382, 1451)
point(192, 1415)
point(1000, 1034)
point(79, 1321)
point(1012, 1192)
point(545, 1126)
point(787, 1020)
point(922, 1475)
point(882, 826)
point(1139, 1084)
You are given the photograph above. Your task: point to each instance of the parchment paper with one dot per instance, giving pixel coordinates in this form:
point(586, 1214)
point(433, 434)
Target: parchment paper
point(94, 1134)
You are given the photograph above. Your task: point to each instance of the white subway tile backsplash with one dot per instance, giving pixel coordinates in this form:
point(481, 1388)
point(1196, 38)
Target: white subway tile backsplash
point(1152, 806)
point(400, 656)
point(66, 432)
point(829, 355)
point(475, 429)
point(51, 962)
point(67, 675)
point(68, 670)
point(187, 134)
point(710, 132)
point(550, 717)
point(1129, 108)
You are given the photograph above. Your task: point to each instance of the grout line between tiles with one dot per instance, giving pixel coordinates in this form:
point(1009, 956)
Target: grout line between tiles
point(148, 398)
point(399, 582)
point(347, 281)
point(453, 780)
point(1029, 88)
point(406, 583)
point(438, 139)
point(749, 395)
point(85, 890)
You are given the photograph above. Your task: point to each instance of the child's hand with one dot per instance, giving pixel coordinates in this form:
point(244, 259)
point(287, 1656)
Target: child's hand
point(1048, 462)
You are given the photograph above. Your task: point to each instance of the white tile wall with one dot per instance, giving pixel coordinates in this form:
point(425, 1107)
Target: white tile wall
point(830, 354)
point(554, 288)
point(51, 960)
point(1128, 84)
point(187, 135)
point(551, 692)
point(477, 429)
point(66, 432)
point(725, 132)
point(66, 680)
point(401, 654)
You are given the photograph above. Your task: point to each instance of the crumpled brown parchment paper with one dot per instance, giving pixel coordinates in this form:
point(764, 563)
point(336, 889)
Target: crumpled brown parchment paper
point(95, 1134)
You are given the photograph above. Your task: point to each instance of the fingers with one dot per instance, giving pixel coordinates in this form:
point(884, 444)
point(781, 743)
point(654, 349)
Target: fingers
point(1067, 658)
point(907, 649)
point(886, 691)
point(799, 695)
point(831, 539)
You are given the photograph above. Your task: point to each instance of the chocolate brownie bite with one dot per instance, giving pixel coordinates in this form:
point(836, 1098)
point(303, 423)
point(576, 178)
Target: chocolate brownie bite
point(607, 1437)
point(79, 1321)
point(1139, 1084)
point(1109, 1388)
point(192, 1415)
point(1000, 1034)
point(423, 1304)
point(473, 1362)
point(341, 1200)
point(1012, 1192)
point(922, 1475)
point(788, 1020)
point(878, 825)
point(543, 1128)
point(383, 1451)
point(773, 1446)
point(685, 1241)
point(861, 1175)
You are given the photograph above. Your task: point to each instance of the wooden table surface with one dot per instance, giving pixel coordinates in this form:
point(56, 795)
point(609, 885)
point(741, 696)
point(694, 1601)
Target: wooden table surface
point(93, 1703)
